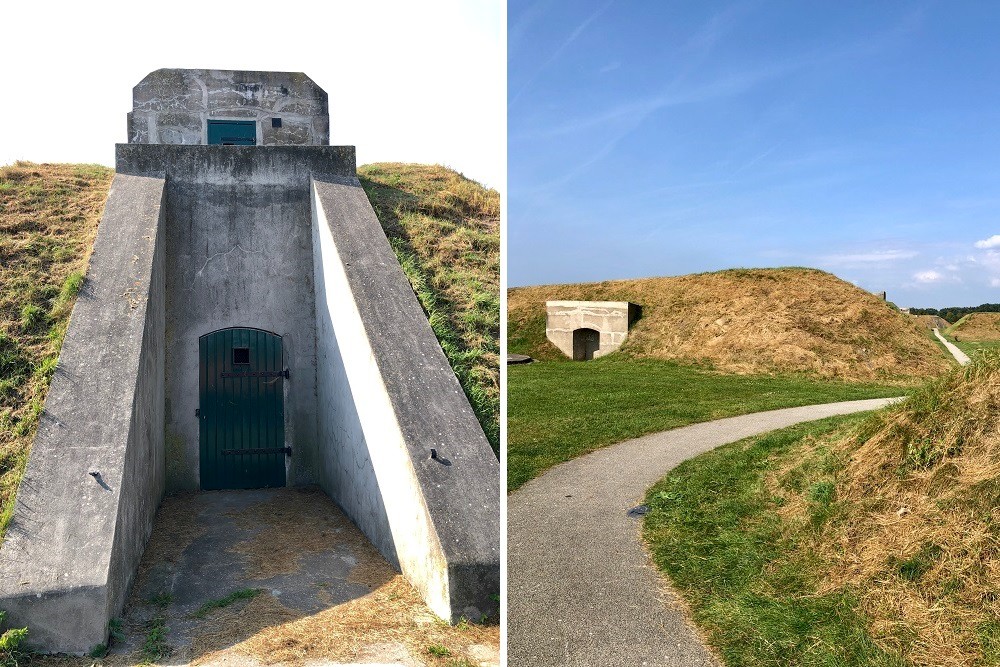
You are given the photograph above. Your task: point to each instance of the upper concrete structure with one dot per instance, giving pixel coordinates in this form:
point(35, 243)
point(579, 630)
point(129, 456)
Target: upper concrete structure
point(585, 330)
point(174, 106)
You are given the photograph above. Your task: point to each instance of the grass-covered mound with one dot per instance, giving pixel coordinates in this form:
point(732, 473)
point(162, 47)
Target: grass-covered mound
point(977, 327)
point(445, 230)
point(849, 542)
point(789, 320)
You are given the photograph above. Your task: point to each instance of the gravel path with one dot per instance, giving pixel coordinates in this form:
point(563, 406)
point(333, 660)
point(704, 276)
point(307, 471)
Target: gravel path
point(581, 589)
point(961, 357)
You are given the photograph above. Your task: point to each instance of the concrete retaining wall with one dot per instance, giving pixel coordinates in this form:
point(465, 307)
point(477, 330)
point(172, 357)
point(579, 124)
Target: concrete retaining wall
point(611, 319)
point(75, 540)
point(239, 254)
point(386, 397)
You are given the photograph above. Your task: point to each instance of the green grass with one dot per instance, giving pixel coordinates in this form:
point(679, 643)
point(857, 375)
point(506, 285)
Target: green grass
point(749, 580)
point(211, 605)
point(974, 348)
point(154, 646)
point(560, 410)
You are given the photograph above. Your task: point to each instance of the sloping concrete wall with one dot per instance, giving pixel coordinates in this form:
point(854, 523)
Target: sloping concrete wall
point(173, 106)
point(386, 397)
point(611, 319)
point(239, 254)
point(75, 540)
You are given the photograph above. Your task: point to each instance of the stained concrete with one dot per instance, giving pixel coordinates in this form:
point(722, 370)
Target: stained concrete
point(402, 450)
point(86, 504)
point(173, 106)
point(239, 254)
point(568, 323)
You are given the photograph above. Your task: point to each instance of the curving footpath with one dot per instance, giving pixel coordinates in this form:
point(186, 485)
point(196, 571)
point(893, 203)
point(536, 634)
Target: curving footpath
point(961, 357)
point(581, 588)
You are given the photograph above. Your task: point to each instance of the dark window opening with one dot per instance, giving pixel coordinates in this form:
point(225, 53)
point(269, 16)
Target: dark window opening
point(241, 355)
point(275, 122)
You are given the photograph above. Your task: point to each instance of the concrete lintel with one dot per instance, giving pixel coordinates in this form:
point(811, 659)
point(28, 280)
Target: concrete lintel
point(443, 511)
point(85, 507)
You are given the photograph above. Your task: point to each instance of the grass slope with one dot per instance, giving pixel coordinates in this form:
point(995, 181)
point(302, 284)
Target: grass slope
point(559, 410)
point(445, 230)
point(890, 524)
point(975, 332)
point(48, 219)
point(789, 320)
point(443, 227)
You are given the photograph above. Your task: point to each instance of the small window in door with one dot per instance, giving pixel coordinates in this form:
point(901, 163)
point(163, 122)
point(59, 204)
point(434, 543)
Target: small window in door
point(241, 355)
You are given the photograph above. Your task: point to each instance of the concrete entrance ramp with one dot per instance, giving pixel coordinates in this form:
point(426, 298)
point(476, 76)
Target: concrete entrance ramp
point(198, 238)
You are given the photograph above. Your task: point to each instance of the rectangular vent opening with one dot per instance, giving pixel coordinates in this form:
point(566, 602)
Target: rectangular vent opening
point(241, 355)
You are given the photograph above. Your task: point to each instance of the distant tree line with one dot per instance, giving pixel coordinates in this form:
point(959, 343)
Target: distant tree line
point(955, 313)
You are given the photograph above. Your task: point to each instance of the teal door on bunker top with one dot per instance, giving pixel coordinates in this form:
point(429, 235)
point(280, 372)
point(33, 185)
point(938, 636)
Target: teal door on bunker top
point(241, 410)
point(232, 132)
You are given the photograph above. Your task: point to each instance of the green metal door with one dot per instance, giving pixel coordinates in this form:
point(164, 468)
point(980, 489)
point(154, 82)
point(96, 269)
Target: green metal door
point(232, 132)
point(242, 410)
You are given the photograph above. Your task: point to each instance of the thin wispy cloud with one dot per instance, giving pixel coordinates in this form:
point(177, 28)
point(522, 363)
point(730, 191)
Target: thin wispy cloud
point(573, 36)
point(873, 257)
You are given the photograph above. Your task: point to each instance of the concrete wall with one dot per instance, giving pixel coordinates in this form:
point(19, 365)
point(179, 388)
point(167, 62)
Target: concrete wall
point(611, 319)
point(239, 254)
point(75, 540)
point(386, 397)
point(173, 106)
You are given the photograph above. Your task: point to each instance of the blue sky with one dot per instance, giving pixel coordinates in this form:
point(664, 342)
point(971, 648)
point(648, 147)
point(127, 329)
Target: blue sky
point(664, 138)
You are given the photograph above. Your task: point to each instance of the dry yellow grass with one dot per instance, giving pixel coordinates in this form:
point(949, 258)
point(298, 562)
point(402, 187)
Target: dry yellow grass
point(393, 614)
point(445, 229)
point(750, 321)
point(919, 538)
point(977, 327)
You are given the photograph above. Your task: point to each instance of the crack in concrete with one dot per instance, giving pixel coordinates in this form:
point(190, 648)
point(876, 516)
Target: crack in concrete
point(200, 271)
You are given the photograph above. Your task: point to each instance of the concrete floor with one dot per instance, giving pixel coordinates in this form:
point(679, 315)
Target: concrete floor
point(316, 578)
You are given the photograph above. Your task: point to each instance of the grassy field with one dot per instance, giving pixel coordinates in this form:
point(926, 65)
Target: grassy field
point(560, 410)
point(716, 530)
point(854, 541)
point(975, 333)
point(444, 229)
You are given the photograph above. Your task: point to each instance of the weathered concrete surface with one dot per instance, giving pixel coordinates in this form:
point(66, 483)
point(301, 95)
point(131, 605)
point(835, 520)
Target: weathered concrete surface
point(239, 254)
point(581, 589)
point(388, 399)
point(568, 323)
point(173, 106)
point(75, 539)
point(961, 357)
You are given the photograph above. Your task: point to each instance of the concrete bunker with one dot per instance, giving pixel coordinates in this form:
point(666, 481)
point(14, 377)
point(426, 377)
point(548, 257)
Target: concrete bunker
point(585, 330)
point(244, 323)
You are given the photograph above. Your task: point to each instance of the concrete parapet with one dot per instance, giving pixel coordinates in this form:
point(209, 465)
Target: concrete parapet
point(403, 452)
point(95, 476)
point(585, 330)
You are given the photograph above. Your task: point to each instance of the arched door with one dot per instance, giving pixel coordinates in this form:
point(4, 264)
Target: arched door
point(585, 343)
point(242, 409)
